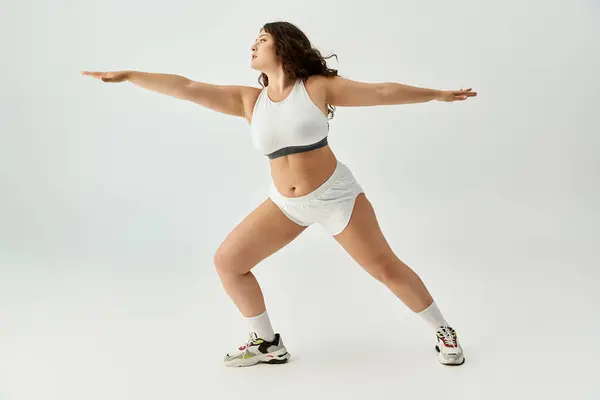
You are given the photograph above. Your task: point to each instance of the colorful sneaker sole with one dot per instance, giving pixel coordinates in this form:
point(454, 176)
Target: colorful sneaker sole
point(280, 356)
point(442, 360)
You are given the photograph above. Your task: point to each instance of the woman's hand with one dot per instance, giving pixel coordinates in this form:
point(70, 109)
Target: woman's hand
point(116, 76)
point(455, 95)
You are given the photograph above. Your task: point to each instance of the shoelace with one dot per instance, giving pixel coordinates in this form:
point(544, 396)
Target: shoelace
point(448, 337)
point(251, 338)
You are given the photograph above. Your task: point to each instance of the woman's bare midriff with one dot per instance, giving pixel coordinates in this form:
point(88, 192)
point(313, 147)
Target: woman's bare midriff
point(297, 175)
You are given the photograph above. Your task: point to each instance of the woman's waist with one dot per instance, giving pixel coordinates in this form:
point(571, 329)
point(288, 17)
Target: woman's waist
point(298, 174)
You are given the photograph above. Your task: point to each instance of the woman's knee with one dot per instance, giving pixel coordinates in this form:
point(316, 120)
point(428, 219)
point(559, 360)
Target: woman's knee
point(388, 269)
point(227, 261)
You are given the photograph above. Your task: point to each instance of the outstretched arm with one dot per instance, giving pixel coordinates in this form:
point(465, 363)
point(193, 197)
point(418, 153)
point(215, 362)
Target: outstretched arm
point(228, 99)
point(345, 92)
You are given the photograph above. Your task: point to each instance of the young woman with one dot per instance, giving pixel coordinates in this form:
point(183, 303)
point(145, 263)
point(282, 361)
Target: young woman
point(288, 120)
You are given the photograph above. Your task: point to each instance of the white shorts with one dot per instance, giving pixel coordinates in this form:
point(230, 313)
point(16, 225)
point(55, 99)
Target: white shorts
point(330, 205)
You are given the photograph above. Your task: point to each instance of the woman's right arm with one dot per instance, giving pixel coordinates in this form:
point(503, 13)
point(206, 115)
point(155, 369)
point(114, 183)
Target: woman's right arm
point(233, 100)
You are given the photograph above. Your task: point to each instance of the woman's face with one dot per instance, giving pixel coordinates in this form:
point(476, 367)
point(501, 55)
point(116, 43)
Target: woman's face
point(263, 52)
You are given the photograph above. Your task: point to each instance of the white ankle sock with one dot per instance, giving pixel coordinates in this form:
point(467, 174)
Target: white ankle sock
point(433, 316)
point(261, 324)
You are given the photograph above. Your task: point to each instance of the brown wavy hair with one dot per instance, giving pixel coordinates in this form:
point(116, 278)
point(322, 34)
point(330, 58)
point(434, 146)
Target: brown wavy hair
point(298, 57)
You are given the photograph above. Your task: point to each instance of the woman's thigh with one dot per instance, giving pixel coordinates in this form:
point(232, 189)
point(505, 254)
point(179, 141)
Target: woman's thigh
point(263, 232)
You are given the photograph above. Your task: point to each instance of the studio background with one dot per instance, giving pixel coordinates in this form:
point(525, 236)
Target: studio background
point(113, 200)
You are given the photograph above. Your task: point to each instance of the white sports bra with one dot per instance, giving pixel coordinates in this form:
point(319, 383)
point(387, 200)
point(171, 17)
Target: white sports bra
point(293, 125)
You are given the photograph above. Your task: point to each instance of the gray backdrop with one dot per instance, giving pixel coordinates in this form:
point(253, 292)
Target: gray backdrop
point(113, 200)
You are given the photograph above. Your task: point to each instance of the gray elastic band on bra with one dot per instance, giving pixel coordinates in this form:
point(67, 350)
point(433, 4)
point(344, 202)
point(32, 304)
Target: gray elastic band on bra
point(298, 149)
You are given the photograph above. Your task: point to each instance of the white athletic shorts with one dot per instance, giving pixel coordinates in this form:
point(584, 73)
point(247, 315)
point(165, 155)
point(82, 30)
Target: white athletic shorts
point(330, 205)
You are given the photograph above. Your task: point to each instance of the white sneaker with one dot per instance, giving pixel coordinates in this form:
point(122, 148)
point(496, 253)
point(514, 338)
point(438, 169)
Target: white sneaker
point(257, 350)
point(450, 352)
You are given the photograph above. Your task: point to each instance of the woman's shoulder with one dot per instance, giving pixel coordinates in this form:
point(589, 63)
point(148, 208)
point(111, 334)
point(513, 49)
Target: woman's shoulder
point(316, 80)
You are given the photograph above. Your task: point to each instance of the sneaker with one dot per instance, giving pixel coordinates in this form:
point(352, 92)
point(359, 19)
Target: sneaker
point(450, 352)
point(257, 350)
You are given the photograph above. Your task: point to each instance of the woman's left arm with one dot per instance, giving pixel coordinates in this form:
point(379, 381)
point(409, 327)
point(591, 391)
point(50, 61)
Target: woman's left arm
point(345, 92)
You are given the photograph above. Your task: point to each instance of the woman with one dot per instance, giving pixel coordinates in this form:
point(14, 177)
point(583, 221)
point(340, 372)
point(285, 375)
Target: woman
point(288, 120)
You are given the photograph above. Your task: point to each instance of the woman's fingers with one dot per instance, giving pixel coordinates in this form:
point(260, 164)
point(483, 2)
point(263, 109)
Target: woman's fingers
point(466, 92)
point(94, 74)
point(115, 76)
